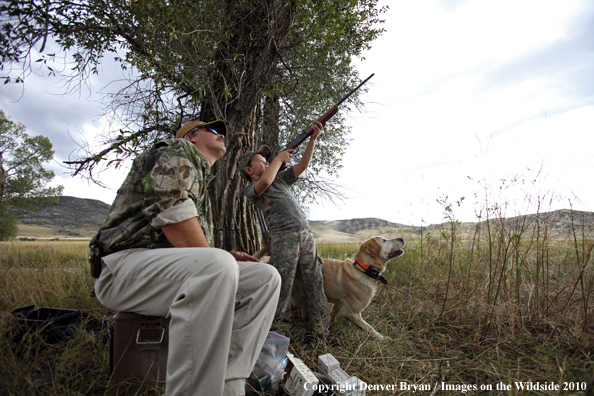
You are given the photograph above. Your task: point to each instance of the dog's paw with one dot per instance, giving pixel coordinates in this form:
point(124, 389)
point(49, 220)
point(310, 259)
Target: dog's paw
point(380, 337)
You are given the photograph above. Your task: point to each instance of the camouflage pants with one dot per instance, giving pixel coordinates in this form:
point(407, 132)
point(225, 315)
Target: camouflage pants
point(292, 252)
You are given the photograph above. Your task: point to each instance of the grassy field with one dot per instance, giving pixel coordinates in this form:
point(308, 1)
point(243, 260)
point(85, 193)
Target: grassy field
point(477, 315)
point(46, 232)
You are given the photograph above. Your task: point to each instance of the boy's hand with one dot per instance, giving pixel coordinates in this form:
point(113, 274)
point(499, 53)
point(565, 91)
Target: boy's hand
point(269, 174)
point(285, 156)
point(317, 129)
point(304, 163)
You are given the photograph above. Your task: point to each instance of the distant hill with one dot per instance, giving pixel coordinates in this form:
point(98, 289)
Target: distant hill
point(70, 217)
point(558, 224)
point(355, 229)
point(81, 217)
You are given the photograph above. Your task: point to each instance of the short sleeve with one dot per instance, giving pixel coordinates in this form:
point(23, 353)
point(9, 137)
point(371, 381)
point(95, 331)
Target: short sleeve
point(175, 178)
point(176, 214)
point(250, 193)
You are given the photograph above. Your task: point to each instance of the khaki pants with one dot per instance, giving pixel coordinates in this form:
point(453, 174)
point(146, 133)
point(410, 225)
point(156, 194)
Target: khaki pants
point(220, 309)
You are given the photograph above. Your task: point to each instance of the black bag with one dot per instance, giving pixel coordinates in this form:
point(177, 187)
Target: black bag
point(53, 324)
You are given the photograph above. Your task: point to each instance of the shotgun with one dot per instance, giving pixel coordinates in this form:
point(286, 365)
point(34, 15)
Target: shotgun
point(263, 227)
point(329, 114)
point(296, 142)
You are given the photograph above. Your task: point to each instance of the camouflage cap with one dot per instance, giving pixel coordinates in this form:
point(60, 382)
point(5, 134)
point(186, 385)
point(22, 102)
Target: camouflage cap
point(246, 159)
point(218, 125)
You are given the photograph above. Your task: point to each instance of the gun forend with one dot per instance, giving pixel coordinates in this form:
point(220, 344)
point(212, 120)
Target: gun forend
point(305, 134)
point(323, 118)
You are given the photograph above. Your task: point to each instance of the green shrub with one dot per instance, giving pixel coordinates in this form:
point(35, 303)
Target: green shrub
point(8, 224)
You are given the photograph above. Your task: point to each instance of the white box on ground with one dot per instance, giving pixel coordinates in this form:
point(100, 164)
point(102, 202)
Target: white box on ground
point(339, 375)
point(353, 387)
point(328, 363)
point(300, 381)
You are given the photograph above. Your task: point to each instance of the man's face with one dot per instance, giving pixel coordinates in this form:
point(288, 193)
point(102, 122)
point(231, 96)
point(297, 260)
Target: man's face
point(206, 139)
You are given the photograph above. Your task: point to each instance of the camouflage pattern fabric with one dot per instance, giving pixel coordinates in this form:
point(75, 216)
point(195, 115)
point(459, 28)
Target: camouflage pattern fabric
point(279, 204)
point(168, 174)
point(292, 252)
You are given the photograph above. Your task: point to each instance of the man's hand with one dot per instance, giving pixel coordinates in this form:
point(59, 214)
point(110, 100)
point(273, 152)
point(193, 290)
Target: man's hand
point(240, 256)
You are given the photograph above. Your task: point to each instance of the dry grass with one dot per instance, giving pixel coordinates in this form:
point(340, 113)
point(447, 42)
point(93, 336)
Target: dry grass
point(36, 231)
point(503, 306)
point(498, 306)
point(49, 274)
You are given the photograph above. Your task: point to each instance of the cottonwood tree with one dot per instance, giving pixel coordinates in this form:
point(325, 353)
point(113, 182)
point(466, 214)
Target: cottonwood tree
point(23, 179)
point(268, 67)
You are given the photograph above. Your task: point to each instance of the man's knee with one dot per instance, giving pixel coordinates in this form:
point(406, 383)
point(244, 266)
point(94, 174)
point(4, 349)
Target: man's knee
point(224, 264)
point(214, 264)
point(216, 271)
point(271, 274)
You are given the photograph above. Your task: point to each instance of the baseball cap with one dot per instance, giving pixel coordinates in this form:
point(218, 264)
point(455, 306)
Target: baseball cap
point(246, 159)
point(218, 125)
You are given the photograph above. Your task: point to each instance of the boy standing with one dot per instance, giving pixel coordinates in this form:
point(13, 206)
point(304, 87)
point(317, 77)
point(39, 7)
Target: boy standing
point(292, 246)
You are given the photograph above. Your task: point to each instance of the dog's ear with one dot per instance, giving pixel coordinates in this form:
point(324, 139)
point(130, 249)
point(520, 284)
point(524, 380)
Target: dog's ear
point(371, 248)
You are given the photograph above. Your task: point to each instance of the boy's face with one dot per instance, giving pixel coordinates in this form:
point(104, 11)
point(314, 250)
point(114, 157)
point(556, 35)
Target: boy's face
point(257, 166)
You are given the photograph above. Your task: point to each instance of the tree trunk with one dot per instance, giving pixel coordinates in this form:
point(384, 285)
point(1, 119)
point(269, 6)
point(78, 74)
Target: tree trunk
point(234, 219)
point(2, 178)
point(270, 120)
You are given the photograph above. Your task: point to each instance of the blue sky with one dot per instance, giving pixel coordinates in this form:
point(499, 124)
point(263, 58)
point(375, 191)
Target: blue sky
point(492, 101)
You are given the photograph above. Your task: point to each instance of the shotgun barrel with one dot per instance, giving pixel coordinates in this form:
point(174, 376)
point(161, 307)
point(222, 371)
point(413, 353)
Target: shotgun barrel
point(323, 119)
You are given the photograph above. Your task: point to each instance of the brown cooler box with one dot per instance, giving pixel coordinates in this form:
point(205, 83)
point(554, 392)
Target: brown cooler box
point(138, 353)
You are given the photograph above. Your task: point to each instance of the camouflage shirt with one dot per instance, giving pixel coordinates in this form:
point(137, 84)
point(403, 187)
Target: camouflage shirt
point(279, 204)
point(166, 185)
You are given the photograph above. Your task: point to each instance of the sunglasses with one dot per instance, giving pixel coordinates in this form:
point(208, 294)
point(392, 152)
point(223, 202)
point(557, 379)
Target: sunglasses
point(205, 127)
